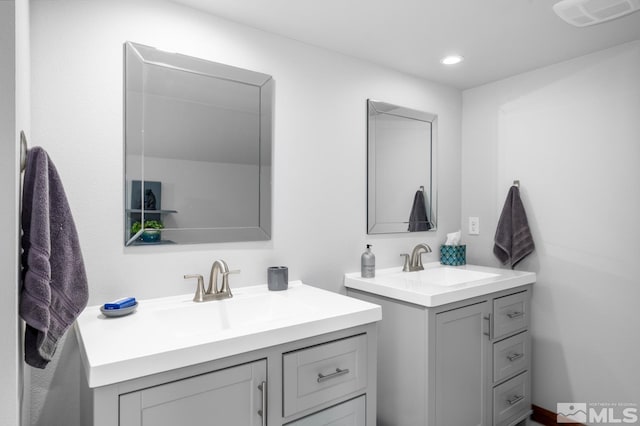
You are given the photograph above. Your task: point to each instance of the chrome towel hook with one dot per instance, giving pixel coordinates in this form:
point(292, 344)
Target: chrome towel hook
point(23, 151)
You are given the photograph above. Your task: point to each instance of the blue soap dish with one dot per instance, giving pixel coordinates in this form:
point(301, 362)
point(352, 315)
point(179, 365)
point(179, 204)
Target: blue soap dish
point(118, 312)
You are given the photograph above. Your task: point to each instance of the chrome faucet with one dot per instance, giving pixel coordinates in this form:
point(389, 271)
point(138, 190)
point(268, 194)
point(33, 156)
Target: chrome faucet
point(213, 292)
point(414, 263)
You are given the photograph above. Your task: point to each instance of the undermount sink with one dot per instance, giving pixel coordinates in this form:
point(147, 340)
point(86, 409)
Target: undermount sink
point(438, 284)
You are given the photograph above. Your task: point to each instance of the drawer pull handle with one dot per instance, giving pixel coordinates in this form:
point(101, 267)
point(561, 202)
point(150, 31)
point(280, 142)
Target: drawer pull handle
point(337, 373)
point(515, 399)
point(513, 357)
point(489, 319)
point(263, 412)
point(514, 315)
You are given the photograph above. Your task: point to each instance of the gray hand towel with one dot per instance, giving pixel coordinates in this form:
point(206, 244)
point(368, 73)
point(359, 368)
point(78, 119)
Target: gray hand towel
point(418, 220)
point(513, 240)
point(54, 288)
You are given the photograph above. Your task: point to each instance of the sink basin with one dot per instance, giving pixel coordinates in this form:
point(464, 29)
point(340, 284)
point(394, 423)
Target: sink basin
point(172, 332)
point(438, 284)
point(444, 276)
point(237, 313)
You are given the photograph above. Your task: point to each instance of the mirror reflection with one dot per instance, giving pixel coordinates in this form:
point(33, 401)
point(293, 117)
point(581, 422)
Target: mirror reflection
point(197, 150)
point(401, 194)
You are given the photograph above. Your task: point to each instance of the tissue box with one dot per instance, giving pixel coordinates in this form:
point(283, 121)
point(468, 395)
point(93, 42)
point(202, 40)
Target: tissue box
point(453, 255)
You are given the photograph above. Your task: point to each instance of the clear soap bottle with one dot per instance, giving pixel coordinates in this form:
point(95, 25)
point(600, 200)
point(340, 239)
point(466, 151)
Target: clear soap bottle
point(368, 263)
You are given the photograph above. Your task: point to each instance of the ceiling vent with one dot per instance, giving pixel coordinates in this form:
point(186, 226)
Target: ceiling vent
point(583, 13)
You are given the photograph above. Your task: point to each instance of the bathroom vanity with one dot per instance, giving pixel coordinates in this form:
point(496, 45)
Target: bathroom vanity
point(299, 357)
point(454, 344)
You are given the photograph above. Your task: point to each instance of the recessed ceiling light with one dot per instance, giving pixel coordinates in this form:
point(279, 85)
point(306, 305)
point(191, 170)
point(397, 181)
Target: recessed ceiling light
point(451, 60)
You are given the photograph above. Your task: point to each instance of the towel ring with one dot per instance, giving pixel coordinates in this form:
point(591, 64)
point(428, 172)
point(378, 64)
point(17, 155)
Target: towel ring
point(23, 151)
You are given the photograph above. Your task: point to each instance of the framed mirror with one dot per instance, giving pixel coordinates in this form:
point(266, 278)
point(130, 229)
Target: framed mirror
point(401, 177)
point(198, 138)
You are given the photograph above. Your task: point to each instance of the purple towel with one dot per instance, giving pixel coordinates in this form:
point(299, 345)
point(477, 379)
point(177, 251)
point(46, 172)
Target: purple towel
point(513, 240)
point(54, 289)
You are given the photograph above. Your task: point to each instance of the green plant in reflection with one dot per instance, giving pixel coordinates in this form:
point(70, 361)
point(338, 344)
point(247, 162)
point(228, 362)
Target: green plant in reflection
point(151, 230)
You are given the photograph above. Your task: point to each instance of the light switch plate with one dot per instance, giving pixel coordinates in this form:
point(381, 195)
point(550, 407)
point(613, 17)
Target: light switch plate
point(474, 225)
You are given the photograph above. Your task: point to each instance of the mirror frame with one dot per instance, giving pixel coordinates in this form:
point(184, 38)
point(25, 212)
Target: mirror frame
point(151, 56)
point(376, 108)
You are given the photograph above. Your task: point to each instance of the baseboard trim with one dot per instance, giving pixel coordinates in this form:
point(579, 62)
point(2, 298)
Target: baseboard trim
point(547, 418)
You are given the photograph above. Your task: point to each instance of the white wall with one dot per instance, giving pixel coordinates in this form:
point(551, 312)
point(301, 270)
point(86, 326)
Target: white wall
point(570, 134)
point(23, 122)
point(319, 179)
point(9, 353)
point(14, 115)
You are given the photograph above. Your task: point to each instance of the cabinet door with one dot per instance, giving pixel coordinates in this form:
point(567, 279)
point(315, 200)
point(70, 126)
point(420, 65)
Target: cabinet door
point(225, 397)
point(349, 413)
point(461, 371)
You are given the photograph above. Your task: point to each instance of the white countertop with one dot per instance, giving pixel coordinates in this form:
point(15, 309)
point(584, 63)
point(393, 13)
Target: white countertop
point(172, 332)
point(438, 284)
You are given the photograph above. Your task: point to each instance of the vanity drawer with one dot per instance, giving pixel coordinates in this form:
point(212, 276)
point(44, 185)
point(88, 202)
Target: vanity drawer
point(510, 356)
point(323, 373)
point(511, 399)
point(510, 314)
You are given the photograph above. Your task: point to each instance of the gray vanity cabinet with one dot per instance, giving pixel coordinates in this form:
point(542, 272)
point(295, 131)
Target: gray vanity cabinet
point(328, 379)
point(231, 396)
point(465, 363)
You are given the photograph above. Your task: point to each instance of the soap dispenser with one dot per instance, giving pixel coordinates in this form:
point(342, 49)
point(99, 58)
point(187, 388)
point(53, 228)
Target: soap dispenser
point(368, 263)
